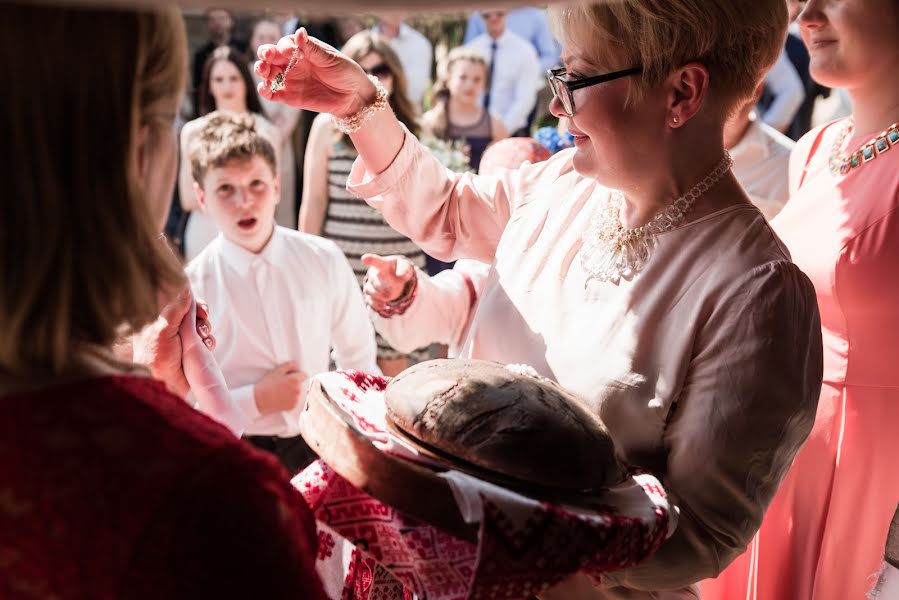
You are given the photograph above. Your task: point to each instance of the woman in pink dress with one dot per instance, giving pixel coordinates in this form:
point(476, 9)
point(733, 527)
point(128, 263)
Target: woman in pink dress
point(694, 338)
point(824, 534)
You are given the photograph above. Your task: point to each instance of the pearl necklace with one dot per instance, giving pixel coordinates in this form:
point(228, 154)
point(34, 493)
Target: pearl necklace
point(611, 252)
point(841, 165)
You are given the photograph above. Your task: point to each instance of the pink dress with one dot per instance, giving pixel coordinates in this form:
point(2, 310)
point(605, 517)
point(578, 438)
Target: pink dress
point(823, 536)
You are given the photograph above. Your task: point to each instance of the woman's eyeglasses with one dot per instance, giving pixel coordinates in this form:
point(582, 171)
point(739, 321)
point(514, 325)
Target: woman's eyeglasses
point(380, 71)
point(562, 87)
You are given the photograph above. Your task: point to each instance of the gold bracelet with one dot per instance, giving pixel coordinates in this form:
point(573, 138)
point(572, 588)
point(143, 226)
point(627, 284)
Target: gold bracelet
point(355, 122)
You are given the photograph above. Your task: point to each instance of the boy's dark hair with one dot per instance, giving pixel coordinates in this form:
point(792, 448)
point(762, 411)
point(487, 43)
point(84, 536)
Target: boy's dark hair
point(227, 136)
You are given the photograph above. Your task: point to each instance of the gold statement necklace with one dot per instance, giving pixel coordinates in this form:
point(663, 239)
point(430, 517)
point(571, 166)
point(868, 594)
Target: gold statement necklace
point(611, 252)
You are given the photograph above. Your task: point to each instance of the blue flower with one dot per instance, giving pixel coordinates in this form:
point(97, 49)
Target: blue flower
point(552, 140)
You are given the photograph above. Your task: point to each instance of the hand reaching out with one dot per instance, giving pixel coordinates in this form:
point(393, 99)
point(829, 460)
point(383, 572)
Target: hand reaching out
point(279, 389)
point(387, 279)
point(322, 79)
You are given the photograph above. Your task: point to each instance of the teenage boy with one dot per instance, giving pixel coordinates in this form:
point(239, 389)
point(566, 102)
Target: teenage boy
point(280, 300)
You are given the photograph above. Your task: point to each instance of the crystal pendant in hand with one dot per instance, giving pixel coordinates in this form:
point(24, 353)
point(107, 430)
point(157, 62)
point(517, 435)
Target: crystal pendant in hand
point(277, 83)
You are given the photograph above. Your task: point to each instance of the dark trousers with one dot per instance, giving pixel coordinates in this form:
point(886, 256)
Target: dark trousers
point(294, 453)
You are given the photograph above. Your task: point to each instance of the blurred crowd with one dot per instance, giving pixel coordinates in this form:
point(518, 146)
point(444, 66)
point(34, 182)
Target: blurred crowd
point(481, 85)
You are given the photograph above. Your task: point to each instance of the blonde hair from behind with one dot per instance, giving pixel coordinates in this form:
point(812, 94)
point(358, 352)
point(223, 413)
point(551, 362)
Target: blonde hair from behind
point(81, 259)
point(737, 40)
point(227, 136)
point(441, 93)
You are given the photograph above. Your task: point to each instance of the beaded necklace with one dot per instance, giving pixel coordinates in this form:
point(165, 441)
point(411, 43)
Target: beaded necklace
point(841, 164)
point(612, 252)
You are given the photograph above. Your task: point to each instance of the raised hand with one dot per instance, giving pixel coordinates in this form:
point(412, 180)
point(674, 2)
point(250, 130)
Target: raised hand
point(320, 78)
point(279, 389)
point(386, 280)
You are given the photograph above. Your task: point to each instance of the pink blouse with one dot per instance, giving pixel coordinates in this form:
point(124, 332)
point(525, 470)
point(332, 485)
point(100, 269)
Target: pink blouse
point(706, 367)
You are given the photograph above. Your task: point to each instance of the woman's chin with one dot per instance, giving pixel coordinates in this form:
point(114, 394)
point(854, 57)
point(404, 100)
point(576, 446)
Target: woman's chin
point(584, 162)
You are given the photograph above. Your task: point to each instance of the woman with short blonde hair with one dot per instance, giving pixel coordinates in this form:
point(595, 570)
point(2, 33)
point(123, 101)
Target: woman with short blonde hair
point(112, 485)
point(633, 269)
point(736, 42)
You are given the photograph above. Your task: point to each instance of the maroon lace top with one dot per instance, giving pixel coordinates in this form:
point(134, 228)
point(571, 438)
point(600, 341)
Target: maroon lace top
point(114, 488)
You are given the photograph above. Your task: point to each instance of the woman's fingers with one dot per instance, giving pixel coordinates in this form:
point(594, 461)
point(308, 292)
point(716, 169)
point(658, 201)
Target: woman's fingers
point(286, 46)
point(264, 89)
point(381, 289)
point(269, 53)
point(378, 262)
point(202, 310)
point(177, 308)
point(209, 342)
point(263, 69)
point(301, 37)
point(404, 270)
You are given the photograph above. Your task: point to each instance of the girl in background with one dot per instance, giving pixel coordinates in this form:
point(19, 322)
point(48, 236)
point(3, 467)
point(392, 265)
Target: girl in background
point(457, 113)
point(226, 84)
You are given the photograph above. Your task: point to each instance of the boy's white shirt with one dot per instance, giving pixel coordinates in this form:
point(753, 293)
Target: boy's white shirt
point(293, 301)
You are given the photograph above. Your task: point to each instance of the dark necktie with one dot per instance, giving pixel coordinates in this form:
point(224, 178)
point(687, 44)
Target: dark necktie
point(490, 74)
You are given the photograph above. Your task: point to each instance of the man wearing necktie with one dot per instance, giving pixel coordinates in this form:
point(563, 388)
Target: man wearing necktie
point(513, 73)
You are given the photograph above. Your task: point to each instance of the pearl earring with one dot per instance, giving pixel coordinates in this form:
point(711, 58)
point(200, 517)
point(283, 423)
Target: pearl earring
point(675, 120)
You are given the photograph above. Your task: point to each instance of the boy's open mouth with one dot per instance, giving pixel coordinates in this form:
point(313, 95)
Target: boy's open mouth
point(247, 223)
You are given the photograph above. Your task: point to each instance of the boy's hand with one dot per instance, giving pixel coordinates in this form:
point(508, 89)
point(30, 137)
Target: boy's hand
point(279, 389)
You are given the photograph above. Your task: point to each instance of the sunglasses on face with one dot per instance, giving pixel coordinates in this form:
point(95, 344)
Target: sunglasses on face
point(380, 71)
point(562, 85)
point(492, 15)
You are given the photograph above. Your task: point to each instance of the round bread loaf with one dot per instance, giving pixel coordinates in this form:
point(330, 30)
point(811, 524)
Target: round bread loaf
point(506, 420)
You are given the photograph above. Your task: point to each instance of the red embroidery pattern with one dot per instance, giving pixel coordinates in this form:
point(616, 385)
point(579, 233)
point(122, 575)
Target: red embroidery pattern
point(365, 382)
point(326, 545)
point(524, 547)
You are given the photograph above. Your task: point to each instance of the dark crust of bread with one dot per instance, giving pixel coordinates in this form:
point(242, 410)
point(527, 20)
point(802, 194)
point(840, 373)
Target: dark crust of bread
point(527, 428)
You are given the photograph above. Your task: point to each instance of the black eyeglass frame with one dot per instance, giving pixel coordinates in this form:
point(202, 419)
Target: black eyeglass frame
point(555, 80)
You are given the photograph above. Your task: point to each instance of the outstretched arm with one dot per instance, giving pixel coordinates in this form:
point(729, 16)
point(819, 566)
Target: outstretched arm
point(446, 214)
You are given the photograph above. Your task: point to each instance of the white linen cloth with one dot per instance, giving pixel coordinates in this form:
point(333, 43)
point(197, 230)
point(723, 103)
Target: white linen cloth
point(293, 301)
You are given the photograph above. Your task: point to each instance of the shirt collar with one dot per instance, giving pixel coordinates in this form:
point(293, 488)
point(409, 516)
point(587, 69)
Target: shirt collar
point(242, 260)
point(502, 38)
point(401, 34)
